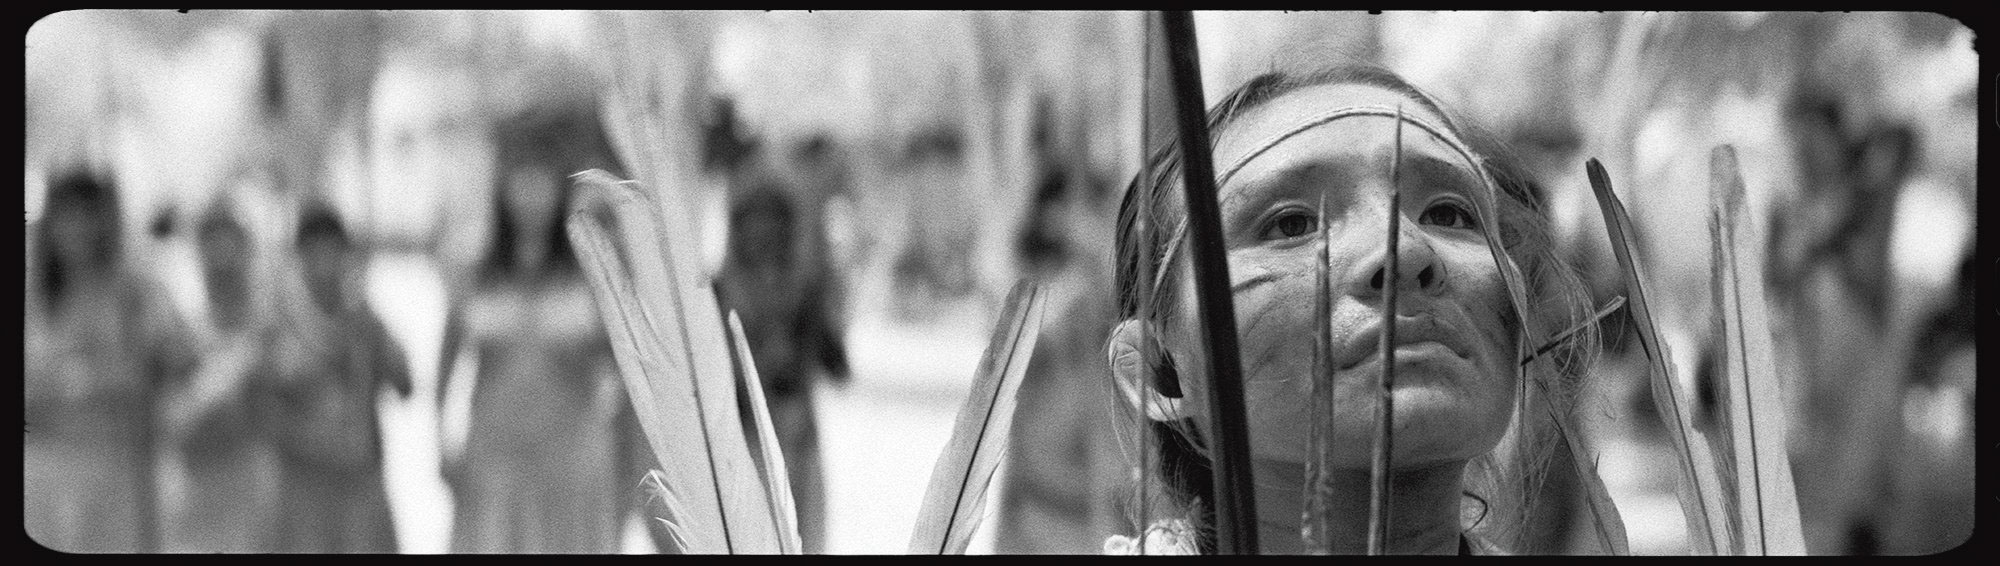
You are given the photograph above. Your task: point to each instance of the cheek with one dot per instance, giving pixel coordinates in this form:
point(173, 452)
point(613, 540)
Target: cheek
point(1464, 418)
point(1477, 287)
point(1274, 320)
point(1274, 323)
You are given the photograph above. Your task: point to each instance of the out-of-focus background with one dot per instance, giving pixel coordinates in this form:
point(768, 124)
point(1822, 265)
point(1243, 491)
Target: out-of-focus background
point(296, 281)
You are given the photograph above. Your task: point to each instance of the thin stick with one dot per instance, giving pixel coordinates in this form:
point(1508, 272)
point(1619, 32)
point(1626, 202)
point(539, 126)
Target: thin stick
point(1235, 510)
point(1609, 308)
point(1144, 278)
point(1379, 496)
point(1315, 534)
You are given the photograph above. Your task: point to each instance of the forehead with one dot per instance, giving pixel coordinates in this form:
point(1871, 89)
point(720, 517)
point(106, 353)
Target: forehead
point(1289, 110)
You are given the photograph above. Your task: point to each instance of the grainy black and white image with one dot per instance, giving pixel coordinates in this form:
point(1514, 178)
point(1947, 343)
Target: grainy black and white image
point(963, 282)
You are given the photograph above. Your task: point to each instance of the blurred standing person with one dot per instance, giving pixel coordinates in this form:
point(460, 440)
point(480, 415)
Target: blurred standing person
point(1059, 495)
point(93, 366)
point(777, 278)
point(552, 461)
point(218, 420)
point(1881, 327)
point(331, 357)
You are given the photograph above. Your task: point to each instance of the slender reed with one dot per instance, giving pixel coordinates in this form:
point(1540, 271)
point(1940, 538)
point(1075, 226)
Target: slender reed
point(1235, 508)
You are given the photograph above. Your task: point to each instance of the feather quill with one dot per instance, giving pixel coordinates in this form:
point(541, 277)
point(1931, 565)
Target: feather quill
point(955, 502)
point(1316, 527)
point(670, 347)
point(771, 459)
point(1566, 334)
point(1379, 495)
point(1700, 490)
point(1766, 503)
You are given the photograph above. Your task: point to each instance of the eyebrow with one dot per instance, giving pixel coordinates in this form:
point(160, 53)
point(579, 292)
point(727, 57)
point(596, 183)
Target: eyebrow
point(1425, 171)
point(1429, 170)
point(1281, 180)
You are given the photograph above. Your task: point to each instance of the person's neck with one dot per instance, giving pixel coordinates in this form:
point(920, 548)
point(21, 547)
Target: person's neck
point(1423, 517)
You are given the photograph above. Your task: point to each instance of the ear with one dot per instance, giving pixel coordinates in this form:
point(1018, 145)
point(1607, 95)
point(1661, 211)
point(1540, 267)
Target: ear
point(1135, 375)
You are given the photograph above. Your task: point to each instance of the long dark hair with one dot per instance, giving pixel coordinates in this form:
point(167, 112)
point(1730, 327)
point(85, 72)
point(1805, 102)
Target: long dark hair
point(77, 196)
point(567, 137)
point(1152, 205)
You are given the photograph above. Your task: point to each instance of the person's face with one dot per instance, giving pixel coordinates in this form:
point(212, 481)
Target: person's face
point(326, 267)
point(78, 238)
point(532, 193)
point(224, 258)
point(1455, 337)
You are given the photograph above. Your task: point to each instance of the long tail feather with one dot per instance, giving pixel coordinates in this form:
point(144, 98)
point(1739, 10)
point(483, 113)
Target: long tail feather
point(784, 509)
point(1767, 505)
point(671, 348)
point(955, 501)
point(671, 424)
point(1699, 491)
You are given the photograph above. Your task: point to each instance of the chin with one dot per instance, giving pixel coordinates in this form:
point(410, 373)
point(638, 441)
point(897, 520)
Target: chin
point(1433, 424)
point(1444, 426)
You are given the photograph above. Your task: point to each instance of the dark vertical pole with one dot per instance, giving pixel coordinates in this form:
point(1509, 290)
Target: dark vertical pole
point(1235, 510)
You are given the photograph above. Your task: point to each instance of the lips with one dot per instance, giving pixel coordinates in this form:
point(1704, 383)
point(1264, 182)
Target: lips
point(1410, 331)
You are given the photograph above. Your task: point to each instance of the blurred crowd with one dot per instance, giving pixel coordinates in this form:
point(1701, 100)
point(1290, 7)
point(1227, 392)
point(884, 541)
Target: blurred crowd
point(210, 198)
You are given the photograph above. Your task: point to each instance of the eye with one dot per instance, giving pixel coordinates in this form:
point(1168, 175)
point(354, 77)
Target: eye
point(1289, 224)
point(1449, 214)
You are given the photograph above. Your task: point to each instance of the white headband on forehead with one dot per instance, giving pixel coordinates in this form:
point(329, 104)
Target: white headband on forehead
point(1323, 118)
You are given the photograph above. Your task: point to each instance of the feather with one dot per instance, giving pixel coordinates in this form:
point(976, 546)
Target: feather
point(670, 510)
point(1379, 496)
point(955, 501)
point(771, 459)
point(670, 347)
point(1699, 490)
point(1766, 503)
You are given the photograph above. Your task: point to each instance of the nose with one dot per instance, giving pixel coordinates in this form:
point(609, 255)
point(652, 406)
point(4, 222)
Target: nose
point(1418, 268)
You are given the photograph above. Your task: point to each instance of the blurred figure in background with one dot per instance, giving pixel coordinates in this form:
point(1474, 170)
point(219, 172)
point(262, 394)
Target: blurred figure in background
point(93, 366)
point(1884, 454)
point(933, 263)
point(220, 421)
point(1059, 492)
point(553, 460)
point(332, 356)
point(777, 278)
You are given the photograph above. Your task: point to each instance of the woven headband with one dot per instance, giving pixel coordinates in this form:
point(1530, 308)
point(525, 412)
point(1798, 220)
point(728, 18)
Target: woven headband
point(1329, 116)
